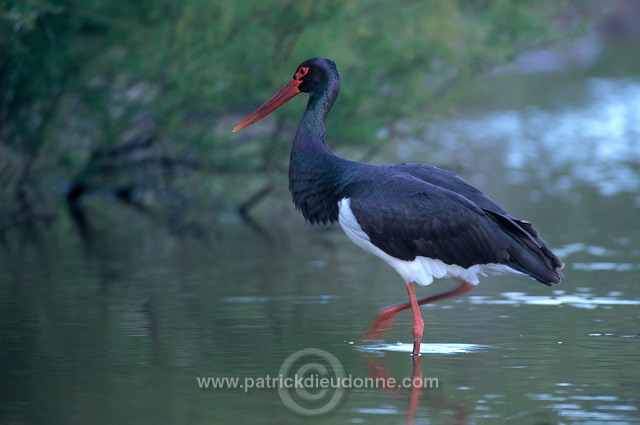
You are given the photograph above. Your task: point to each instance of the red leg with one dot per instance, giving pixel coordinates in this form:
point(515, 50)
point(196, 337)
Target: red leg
point(386, 316)
point(418, 323)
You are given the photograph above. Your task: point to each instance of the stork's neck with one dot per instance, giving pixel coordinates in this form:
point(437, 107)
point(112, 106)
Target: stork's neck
point(315, 173)
point(312, 126)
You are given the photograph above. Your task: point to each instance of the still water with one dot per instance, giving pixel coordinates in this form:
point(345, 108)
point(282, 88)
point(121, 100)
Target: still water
point(131, 331)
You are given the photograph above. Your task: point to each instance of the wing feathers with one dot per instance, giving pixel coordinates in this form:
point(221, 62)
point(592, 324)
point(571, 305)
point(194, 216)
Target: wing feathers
point(413, 218)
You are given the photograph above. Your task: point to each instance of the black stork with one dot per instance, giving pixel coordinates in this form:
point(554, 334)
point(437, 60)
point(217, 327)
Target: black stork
point(423, 221)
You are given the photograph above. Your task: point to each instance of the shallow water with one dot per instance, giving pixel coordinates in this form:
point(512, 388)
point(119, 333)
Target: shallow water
point(123, 333)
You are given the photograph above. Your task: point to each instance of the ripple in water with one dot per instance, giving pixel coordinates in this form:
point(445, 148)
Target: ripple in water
point(582, 300)
point(424, 348)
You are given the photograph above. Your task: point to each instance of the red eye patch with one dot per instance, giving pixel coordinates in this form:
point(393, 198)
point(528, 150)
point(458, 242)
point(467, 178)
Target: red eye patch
point(302, 71)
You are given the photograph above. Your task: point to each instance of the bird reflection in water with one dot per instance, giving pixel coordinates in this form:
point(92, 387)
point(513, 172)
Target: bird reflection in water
point(419, 389)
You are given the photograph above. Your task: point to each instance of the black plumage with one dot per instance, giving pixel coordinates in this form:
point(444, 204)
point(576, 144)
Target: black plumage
point(422, 219)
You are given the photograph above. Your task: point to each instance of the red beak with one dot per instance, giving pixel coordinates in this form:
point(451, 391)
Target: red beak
point(285, 94)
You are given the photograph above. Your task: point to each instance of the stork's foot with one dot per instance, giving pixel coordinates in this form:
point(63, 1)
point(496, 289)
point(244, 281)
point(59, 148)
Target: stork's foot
point(418, 328)
point(383, 321)
point(387, 316)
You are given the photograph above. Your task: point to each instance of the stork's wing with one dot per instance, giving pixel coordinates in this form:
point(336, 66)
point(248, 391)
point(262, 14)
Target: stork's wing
point(452, 182)
point(412, 218)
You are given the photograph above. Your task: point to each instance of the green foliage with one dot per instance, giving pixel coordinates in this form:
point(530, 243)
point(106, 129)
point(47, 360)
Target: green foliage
point(85, 82)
